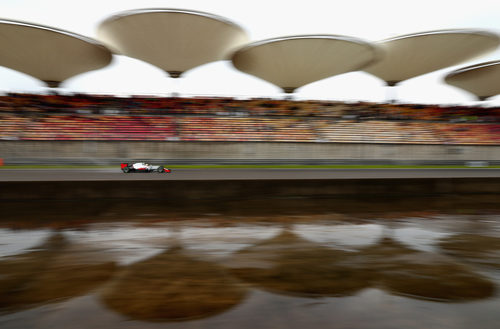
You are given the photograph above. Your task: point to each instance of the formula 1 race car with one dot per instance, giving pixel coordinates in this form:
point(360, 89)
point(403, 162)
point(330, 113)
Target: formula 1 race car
point(143, 167)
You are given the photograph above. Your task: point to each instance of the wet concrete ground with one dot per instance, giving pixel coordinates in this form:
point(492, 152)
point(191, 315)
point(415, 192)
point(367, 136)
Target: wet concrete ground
point(437, 267)
point(234, 174)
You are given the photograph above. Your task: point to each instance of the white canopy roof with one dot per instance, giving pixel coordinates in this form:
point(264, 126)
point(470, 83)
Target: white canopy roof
point(174, 40)
point(482, 80)
point(49, 54)
point(412, 55)
point(294, 61)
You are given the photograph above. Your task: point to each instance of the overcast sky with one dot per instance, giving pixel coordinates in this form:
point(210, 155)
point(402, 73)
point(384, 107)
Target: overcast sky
point(262, 19)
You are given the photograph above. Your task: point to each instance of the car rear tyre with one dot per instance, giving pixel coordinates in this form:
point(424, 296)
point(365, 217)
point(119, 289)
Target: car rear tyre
point(159, 169)
point(126, 170)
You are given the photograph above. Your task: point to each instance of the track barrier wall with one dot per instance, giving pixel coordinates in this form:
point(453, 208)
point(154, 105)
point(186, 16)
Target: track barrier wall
point(28, 203)
point(111, 152)
point(173, 192)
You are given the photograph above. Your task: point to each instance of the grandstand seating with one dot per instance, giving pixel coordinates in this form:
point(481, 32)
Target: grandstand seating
point(87, 117)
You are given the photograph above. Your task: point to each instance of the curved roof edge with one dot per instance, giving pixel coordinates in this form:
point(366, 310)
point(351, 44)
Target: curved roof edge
point(308, 36)
point(54, 30)
point(472, 67)
point(377, 51)
point(446, 31)
point(131, 12)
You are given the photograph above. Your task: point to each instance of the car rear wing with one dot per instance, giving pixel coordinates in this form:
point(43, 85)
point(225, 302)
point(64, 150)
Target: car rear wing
point(123, 165)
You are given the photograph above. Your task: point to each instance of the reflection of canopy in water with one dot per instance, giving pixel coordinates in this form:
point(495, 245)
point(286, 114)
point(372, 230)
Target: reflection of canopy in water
point(294, 61)
point(287, 264)
point(174, 40)
point(475, 248)
point(48, 274)
point(413, 55)
point(49, 54)
point(422, 275)
point(172, 286)
point(482, 80)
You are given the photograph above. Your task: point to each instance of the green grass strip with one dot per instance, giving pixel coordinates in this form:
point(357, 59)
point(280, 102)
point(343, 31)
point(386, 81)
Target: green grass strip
point(252, 167)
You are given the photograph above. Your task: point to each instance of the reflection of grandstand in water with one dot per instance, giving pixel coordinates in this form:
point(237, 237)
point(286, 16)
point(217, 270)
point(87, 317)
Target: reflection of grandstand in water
point(290, 265)
point(172, 286)
point(51, 272)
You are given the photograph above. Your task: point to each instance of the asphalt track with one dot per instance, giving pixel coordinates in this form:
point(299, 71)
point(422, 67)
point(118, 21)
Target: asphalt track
point(238, 174)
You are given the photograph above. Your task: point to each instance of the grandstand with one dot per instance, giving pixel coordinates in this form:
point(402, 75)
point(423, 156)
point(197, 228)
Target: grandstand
point(34, 127)
point(79, 117)
point(91, 118)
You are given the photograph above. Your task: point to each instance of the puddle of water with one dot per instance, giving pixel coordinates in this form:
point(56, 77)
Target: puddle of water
point(435, 270)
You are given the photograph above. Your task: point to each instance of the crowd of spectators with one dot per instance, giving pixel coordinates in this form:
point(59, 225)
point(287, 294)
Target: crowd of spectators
point(93, 117)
